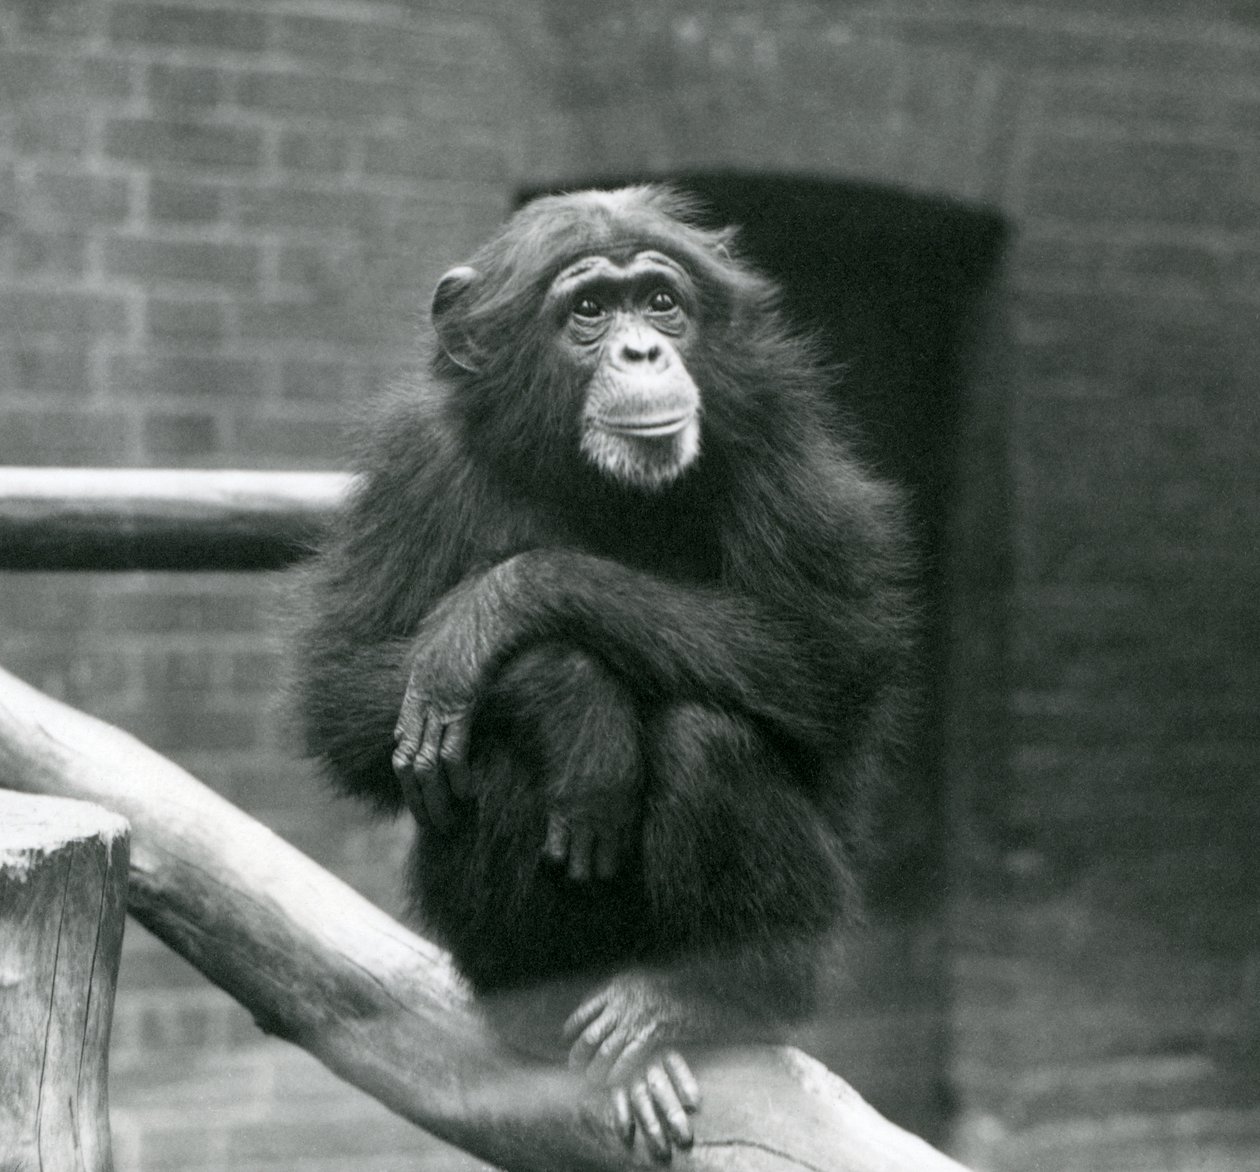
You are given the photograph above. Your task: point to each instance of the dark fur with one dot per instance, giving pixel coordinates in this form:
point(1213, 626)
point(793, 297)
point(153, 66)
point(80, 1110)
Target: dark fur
point(726, 653)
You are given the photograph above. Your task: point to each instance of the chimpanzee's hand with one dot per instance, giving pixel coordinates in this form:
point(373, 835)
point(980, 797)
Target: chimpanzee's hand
point(622, 1038)
point(583, 846)
point(431, 738)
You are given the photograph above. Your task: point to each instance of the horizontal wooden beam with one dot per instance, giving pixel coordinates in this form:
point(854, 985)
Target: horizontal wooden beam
point(161, 519)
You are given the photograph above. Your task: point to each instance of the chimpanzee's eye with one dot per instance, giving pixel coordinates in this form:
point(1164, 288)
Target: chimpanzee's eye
point(662, 301)
point(588, 308)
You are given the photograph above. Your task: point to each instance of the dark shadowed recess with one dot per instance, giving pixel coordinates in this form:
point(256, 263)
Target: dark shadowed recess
point(897, 285)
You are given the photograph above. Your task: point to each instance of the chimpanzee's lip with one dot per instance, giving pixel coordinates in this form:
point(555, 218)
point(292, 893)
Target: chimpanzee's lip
point(647, 426)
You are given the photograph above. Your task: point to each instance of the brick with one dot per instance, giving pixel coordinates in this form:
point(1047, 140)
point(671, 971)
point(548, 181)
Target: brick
point(1172, 352)
point(1191, 269)
point(34, 607)
point(328, 321)
point(1130, 101)
point(277, 1139)
point(443, 38)
point(1066, 338)
point(296, 442)
point(316, 37)
point(40, 311)
point(155, 142)
point(316, 96)
point(311, 265)
point(1130, 182)
point(63, 370)
point(204, 321)
point(173, 85)
point(1045, 262)
point(43, 436)
point(171, 1023)
point(172, 201)
point(169, 24)
point(455, 154)
point(49, 254)
point(230, 265)
point(256, 671)
point(76, 198)
point(50, 132)
point(165, 670)
point(221, 1081)
point(58, 18)
point(215, 604)
point(1048, 44)
point(170, 437)
point(1243, 274)
point(74, 674)
point(332, 381)
point(303, 208)
point(1242, 112)
point(322, 151)
point(186, 374)
point(63, 78)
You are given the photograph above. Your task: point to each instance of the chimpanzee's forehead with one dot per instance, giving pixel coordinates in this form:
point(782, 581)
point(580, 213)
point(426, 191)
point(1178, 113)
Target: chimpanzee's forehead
point(616, 263)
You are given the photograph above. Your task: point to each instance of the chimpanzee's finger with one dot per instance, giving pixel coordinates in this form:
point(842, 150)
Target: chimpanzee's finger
point(623, 1117)
point(556, 847)
point(645, 1116)
point(627, 1059)
point(411, 714)
point(618, 1055)
point(581, 844)
point(431, 776)
point(582, 1016)
point(406, 736)
point(403, 762)
point(684, 1081)
point(455, 757)
point(669, 1105)
point(591, 1041)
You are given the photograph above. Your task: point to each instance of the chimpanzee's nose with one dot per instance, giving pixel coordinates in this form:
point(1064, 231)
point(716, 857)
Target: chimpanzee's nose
point(640, 349)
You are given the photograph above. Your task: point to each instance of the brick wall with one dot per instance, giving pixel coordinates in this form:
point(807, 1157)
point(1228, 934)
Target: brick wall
point(215, 221)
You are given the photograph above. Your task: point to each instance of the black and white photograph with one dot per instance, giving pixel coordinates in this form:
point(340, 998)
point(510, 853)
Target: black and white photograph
point(629, 585)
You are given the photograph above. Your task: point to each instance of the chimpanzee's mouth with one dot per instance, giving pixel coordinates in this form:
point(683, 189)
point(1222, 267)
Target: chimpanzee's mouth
point(649, 427)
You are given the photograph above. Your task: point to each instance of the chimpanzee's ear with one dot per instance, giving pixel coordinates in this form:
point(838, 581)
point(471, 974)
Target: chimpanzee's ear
point(723, 241)
point(448, 317)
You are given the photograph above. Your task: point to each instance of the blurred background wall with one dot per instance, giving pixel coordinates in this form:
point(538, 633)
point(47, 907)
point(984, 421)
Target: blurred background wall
point(219, 223)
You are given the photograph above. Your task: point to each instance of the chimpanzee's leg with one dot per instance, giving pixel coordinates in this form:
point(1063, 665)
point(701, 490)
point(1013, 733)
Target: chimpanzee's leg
point(742, 880)
point(541, 875)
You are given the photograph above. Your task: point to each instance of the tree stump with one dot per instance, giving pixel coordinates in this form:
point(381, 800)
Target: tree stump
point(63, 903)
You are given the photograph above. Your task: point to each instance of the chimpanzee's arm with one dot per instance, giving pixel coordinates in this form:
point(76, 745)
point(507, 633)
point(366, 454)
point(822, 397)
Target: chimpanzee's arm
point(800, 670)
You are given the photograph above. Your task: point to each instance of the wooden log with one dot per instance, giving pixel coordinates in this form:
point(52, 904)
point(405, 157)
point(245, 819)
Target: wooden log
point(317, 964)
point(161, 519)
point(63, 893)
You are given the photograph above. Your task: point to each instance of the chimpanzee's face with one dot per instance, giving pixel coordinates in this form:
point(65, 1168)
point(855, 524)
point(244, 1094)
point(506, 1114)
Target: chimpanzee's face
point(625, 325)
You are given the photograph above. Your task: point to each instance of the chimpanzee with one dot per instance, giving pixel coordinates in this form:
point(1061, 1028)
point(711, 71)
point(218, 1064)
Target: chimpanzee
point(624, 625)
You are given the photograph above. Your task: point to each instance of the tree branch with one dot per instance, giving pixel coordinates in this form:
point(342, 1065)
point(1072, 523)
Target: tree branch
point(319, 965)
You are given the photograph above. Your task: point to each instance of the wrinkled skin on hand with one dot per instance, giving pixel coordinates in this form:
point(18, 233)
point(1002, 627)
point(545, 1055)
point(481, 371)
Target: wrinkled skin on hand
point(623, 1037)
point(449, 659)
point(430, 756)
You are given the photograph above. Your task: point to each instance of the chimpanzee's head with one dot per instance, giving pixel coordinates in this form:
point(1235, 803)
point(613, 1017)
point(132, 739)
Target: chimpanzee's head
point(596, 323)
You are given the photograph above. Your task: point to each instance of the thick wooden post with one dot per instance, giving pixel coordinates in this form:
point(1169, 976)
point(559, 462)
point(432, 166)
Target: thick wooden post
point(63, 902)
